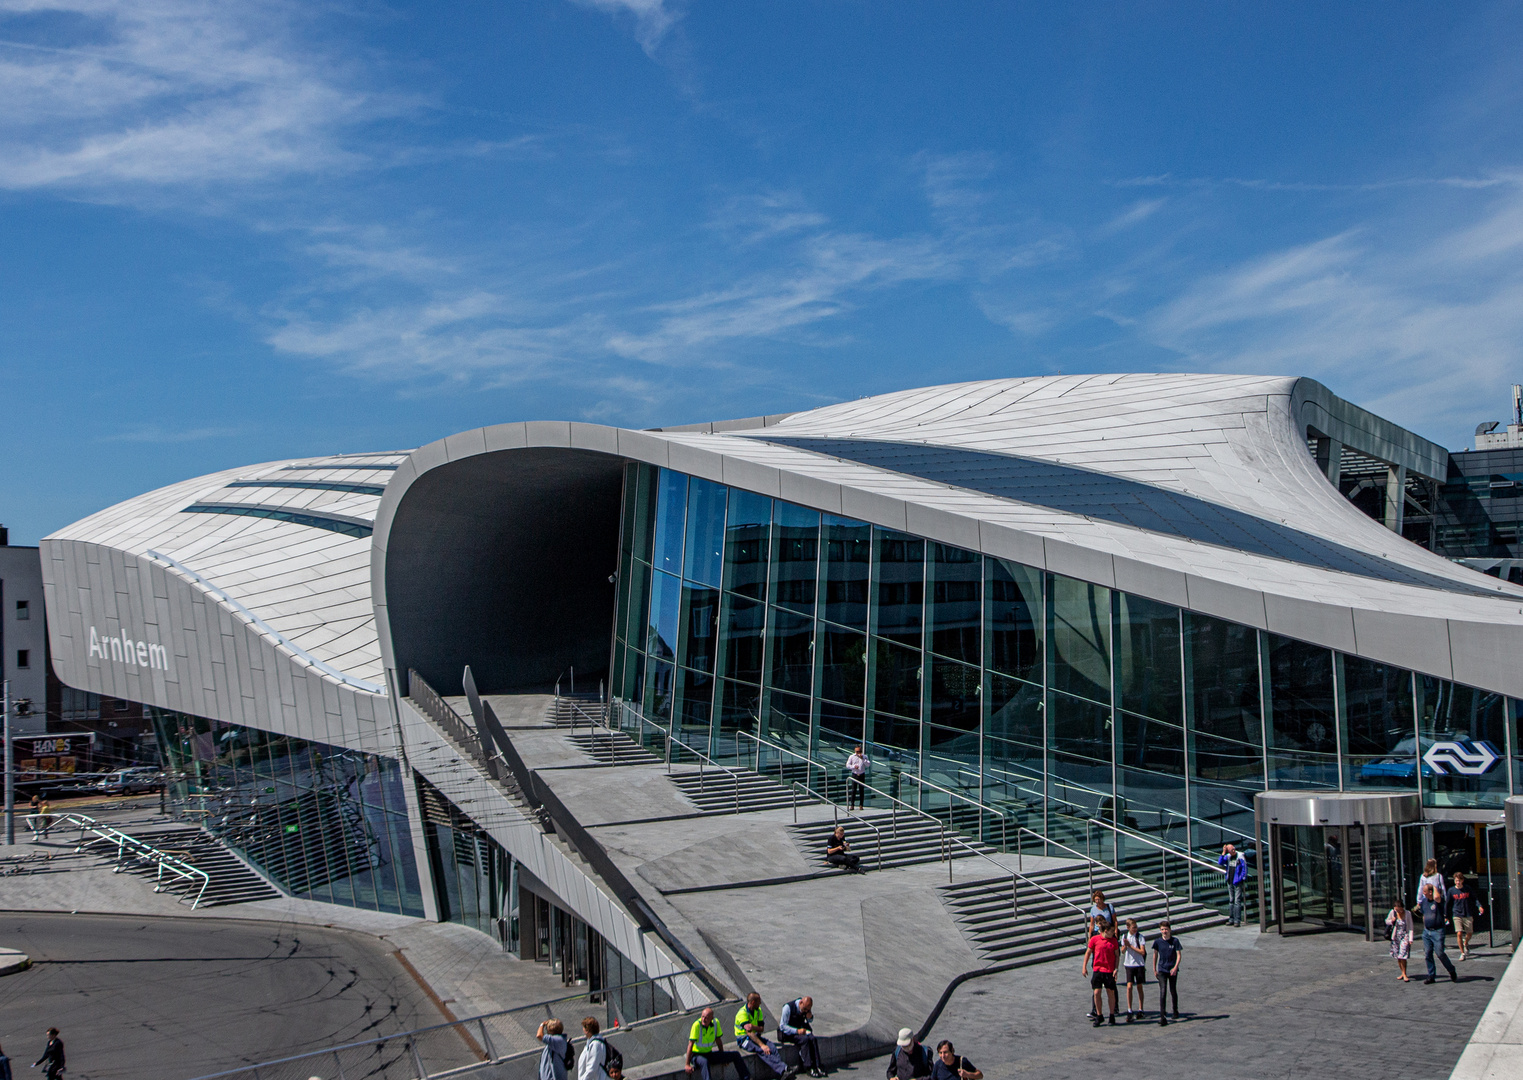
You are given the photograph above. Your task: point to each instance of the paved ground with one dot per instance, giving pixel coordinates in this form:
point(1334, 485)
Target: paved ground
point(143, 997)
point(1255, 1007)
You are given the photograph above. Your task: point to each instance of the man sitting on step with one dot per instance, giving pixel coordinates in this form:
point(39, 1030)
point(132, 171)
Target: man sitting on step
point(838, 852)
point(750, 1023)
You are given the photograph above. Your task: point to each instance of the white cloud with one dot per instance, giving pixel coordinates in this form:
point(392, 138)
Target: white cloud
point(162, 92)
point(652, 18)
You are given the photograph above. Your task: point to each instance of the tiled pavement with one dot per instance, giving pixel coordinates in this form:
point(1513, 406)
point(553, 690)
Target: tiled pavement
point(1255, 1007)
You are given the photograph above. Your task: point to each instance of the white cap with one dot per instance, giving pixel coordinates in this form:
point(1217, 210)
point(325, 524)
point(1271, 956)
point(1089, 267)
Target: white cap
point(906, 1036)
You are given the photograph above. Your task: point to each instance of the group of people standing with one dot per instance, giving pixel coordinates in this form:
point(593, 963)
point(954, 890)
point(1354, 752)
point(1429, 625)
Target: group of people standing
point(1438, 906)
point(1109, 951)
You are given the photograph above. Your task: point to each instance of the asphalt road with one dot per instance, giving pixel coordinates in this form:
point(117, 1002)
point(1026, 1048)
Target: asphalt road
point(167, 998)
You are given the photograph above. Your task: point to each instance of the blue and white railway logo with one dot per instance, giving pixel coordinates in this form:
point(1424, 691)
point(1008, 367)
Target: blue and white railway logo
point(1466, 758)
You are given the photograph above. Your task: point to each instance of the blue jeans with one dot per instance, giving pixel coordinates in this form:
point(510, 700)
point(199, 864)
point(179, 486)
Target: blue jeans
point(1235, 896)
point(1433, 942)
point(771, 1060)
point(703, 1063)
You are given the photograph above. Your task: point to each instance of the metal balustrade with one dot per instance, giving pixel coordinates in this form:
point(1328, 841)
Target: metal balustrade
point(131, 852)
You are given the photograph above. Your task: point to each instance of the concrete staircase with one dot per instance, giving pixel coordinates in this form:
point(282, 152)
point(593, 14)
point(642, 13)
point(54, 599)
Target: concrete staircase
point(573, 710)
point(612, 748)
point(1045, 928)
point(743, 791)
point(232, 882)
point(914, 840)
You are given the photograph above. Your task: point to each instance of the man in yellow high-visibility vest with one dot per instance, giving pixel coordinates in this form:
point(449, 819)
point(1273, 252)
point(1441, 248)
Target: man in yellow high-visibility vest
point(706, 1052)
point(750, 1028)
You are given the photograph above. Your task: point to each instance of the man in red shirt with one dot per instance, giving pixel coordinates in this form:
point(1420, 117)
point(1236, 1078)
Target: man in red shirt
point(1101, 955)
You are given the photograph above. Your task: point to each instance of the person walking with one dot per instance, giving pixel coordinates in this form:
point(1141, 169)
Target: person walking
point(1431, 908)
point(555, 1058)
point(796, 1025)
point(838, 852)
point(1099, 912)
point(1167, 955)
point(5, 1066)
point(949, 1065)
point(856, 780)
point(53, 1055)
point(593, 1062)
point(705, 1049)
point(44, 818)
point(1100, 954)
point(1236, 867)
point(1464, 905)
point(750, 1036)
point(1400, 922)
point(910, 1060)
point(1134, 961)
point(1430, 876)
point(33, 820)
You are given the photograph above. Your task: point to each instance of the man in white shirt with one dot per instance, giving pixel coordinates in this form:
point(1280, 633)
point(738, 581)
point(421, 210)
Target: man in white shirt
point(856, 785)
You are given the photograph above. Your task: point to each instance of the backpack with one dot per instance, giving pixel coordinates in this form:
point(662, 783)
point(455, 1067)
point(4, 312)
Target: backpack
point(570, 1057)
point(612, 1059)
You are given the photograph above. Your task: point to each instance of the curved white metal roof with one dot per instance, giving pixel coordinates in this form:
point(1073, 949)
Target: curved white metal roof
point(293, 573)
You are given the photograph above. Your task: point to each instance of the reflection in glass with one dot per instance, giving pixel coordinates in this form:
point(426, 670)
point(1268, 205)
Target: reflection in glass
point(739, 707)
point(705, 531)
point(700, 624)
point(696, 705)
point(790, 640)
point(665, 614)
point(671, 511)
point(639, 510)
point(1226, 747)
point(956, 614)
point(1474, 721)
point(1081, 638)
point(848, 558)
point(840, 725)
point(1150, 767)
point(747, 529)
point(1148, 662)
point(843, 665)
point(1379, 724)
point(1014, 619)
point(787, 719)
point(741, 638)
point(1302, 733)
point(954, 694)
point(1078, 755)
point(899, 577)
point(659, 691)
point(896, 680)
point(795, 551)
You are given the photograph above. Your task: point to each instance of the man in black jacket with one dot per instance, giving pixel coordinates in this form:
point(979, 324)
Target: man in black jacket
point(910, 1060)
point(53, 1055)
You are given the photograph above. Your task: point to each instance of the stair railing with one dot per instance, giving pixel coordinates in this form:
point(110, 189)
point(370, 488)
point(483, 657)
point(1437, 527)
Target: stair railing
point(1164, 850)
point(131, 849)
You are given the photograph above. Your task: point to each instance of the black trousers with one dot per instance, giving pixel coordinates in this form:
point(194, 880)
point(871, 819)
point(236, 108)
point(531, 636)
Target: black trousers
point(1168, 986)
point(846, 859)
point(707, 1066)
point(809, 1053)
point(856, 792)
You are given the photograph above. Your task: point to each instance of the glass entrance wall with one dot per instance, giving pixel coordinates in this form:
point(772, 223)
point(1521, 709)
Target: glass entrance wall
point(324, 822)
point(1048, 700)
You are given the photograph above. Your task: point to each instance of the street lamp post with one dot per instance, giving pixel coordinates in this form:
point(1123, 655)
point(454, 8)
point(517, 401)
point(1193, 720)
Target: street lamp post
point(10, 767)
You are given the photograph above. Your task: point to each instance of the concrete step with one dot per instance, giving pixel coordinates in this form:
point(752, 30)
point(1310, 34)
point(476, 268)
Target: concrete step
point(232, 881)
point(573, 710)
point(913, 841)
point(716, 792)
point(612, 748)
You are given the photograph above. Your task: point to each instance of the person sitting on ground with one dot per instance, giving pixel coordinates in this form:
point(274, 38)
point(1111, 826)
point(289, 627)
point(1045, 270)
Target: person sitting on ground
point(750, 1028)
point(838, 852)
point(910, 1060)
point(555, 1058)
point(705, 1050)
point(949, 1065)
point(796, 1026)
point(596, 1055)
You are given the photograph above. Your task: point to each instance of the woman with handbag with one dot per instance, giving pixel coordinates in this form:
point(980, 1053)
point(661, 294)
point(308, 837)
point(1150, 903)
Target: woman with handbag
point(1400, 922)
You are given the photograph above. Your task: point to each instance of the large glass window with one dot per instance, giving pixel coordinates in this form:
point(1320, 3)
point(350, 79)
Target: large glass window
point(741, 638)
point(1014, 619)
point(956, 610)
point(896, 680)
point(790, 640)
point(671, 513)
point(899, 587)
point(1078, 756)
point(1303, 725)
point(1081, 638)
point(1149, 668)
point(1223, 695)
point(705, 531)
point(848, 558)
point(1463, 735)
point(747, 531)
point(700, 627)
point(665, 616)
point(843, 665)
point(795, 553)
point(1379, 726)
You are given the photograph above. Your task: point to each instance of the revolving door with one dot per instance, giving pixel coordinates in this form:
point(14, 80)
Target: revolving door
point(1334, 858)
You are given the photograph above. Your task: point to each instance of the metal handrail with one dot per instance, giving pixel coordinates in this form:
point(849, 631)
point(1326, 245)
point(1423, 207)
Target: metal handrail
point(140, 850)
point(547, 1005)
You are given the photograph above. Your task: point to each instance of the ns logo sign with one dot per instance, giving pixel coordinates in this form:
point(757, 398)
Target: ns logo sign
point(1469, 758)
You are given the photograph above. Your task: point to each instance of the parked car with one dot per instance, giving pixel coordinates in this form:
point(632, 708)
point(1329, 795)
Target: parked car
point(131, 781)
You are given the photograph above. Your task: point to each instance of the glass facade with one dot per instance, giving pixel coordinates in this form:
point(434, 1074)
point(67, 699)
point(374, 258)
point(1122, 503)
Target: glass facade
point(323, 822)
point(1037, 700)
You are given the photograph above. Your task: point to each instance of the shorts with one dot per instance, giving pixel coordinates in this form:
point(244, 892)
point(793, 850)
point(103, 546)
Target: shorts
point(1138, 974)
point(1103, 980)
point(1464, 924)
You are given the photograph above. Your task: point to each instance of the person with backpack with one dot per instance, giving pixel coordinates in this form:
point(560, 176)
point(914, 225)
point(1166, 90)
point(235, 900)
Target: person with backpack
point(796, 1026)
point(910, 1060)
point(555, 1060)
point(599, 1060)
point(705, 1049)
point(1435, 925)
point(1134, 961)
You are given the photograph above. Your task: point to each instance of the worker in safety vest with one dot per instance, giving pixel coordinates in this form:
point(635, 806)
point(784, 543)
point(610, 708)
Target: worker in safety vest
point(750, 1023)
point(705, 1049)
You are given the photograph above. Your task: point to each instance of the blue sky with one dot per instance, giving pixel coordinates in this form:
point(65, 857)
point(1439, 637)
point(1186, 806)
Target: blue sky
point(237, 231)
